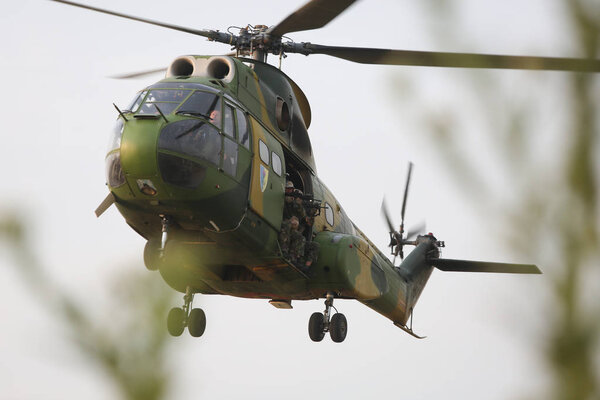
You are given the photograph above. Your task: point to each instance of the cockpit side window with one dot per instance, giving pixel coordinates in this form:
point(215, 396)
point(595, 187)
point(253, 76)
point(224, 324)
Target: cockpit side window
point(243, 128)
point(230, 156)
point(228, 125)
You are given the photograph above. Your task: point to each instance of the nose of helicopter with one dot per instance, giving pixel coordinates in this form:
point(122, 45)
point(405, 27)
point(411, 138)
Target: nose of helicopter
point(156, 169)
point(132, 166)
point(138, 150)
point(174, 168)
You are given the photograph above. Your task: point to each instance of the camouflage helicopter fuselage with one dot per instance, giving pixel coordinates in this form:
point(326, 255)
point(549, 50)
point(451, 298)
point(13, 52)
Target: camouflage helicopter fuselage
point(219, 185)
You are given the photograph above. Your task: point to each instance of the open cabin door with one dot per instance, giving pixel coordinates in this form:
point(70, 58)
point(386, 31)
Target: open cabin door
point(267, 187)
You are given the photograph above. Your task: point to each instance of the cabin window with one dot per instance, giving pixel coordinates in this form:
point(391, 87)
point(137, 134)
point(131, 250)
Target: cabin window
point(230, 155)
point(243, 129)
point(192, 137)
point(276, 163)
point(228, 125)
point(263, 151)
point(329, 214)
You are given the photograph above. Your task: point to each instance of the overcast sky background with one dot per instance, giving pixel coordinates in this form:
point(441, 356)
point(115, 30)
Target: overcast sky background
point(483, 330)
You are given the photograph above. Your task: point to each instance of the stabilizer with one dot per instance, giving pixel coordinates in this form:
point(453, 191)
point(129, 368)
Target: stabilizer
point(106, 203)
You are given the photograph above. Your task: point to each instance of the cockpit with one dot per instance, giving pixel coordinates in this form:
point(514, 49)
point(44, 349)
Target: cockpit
point(203, 127)
point(198, 100)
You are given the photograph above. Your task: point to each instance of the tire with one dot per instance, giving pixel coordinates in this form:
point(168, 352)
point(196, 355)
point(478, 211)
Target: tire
point(152, 254)
point(197, 322)
point(338, 328)
point(176, 321)
point(316, 327)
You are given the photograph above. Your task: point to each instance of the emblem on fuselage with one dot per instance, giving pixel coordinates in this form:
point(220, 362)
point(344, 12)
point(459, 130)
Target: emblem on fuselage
point(264, 177)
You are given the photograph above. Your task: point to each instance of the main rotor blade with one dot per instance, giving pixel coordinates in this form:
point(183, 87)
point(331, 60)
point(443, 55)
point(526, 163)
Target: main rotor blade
point(314, 14)
point(442, 59)
point(483, 266)
point(204, 33)
point(410, 167)
point(139, 74)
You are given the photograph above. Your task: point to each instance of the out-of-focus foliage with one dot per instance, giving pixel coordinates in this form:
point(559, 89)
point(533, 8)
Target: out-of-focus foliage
point(129, 341)
point(554, 218)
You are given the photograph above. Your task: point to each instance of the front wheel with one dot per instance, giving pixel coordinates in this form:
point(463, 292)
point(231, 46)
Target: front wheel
point(338, 327)
point(316, 327)
point(176, 321)
point(197, 322)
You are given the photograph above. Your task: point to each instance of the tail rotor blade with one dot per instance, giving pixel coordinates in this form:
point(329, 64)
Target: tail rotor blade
point(386, 215)
point(415, 230)
point(410, 166)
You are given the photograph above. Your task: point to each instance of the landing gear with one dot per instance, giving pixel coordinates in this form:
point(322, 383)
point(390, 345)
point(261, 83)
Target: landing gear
point(197, 322)
point(179, 318)
point(336, 325)
point(316, 327)
point(176, 321)
point(155, 247)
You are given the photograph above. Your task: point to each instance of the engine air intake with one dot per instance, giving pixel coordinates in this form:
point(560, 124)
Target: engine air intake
point(181, 67)
point(220, 68)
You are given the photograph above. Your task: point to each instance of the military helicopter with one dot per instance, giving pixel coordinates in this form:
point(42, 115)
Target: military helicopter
point(200, 161)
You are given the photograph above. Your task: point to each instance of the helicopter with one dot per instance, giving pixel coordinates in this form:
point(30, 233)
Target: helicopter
point(199, 165)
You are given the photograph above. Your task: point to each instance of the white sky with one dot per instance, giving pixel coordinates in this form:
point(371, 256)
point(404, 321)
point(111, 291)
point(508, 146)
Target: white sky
point(57, 115)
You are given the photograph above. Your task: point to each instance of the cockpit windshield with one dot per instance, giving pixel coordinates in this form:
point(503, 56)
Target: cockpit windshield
point(167, 97)
point(166, 100)
point(203, 104)
point(135, 103)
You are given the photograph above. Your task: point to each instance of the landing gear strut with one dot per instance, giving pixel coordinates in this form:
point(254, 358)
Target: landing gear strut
point(336, 325)
point(155, 246)
point(179, 318)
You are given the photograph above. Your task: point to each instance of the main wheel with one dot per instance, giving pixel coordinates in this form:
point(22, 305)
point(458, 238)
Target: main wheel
point(197, 322)
point(152, 254)
point(176, 321)
point(316, 327)
point(338, 328)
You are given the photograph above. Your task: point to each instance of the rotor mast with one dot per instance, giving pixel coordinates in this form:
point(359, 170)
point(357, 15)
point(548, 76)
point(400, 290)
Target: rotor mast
point(255, 42)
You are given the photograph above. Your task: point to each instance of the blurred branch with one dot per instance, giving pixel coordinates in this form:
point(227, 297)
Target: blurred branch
point(561, 203)
point(130, 345)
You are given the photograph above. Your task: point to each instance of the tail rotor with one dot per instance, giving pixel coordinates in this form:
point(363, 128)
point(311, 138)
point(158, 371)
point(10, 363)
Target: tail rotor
point(397, 238)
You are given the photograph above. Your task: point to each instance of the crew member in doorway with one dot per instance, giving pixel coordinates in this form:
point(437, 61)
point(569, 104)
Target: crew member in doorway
point(294, 245)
